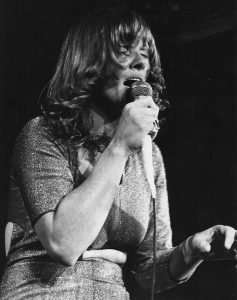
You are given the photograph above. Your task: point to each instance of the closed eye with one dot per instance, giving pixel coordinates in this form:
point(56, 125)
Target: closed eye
point(144, 52)
point(145, 55)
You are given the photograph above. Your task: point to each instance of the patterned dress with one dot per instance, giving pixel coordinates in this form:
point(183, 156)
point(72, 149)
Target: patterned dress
point(44, 170)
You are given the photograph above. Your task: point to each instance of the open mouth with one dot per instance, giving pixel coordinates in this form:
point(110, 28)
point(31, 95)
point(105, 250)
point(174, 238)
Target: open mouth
point(129, 81)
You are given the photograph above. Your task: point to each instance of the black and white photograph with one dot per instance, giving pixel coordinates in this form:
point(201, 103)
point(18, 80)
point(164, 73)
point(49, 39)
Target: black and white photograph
point(118, 124)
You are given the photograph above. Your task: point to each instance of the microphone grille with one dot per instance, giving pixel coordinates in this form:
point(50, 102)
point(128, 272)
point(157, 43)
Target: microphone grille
point(140, 88)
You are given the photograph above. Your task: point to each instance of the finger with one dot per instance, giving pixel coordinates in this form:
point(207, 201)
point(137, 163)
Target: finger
point(108, 254)
point(201, 244)
point(204, 246)
point(145, 101)
point(141, 114)
point(229, 233)
point(146, 112)
point(144, 105)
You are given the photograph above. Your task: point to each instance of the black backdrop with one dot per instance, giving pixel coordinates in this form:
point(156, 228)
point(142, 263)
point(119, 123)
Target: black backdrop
point(197, 42)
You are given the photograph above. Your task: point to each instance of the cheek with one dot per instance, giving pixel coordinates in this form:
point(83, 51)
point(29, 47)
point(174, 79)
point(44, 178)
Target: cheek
point(147, 69)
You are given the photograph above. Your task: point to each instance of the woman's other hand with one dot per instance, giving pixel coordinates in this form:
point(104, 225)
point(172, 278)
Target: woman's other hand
point(216, 243)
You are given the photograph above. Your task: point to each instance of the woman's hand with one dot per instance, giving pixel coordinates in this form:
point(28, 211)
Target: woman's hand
point(136, 121)
point(216, 243)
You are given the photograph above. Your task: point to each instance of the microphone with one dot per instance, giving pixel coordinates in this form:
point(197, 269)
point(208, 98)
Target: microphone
point(141, 88)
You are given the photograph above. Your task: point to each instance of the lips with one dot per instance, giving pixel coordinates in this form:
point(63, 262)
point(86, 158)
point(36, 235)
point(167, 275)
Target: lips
point(130, 80)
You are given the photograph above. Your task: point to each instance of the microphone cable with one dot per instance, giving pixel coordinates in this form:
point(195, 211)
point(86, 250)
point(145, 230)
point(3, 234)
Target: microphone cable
point(154, 250)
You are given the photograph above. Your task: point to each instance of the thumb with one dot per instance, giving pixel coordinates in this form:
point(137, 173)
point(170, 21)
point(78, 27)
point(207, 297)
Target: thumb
point(200, 244)
point(204, 246)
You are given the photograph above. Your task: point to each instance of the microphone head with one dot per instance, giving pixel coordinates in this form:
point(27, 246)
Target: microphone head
point(140, 88)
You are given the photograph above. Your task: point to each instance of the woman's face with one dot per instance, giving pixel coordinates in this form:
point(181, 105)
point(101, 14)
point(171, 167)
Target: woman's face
point(135, 62)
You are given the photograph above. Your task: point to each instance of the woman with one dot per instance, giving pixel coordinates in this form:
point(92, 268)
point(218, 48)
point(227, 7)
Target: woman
point(80, 211)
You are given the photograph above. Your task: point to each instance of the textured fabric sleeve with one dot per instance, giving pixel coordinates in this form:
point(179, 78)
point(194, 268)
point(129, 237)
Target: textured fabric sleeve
point(142, 259)
point(41, 169)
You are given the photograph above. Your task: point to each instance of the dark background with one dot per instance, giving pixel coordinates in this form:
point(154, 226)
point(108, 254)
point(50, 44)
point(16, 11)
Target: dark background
point(197, 42)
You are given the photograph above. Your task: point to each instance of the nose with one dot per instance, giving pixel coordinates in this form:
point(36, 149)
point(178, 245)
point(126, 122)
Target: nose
point(138, 63)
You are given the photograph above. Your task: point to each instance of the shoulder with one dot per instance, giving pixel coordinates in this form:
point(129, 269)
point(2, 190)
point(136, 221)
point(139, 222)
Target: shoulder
point(33, 129)
point(35, 136)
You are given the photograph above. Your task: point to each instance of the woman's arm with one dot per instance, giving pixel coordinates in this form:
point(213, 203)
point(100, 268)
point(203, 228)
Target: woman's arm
point(183, 262)
point(69, 230)
point(175, 265)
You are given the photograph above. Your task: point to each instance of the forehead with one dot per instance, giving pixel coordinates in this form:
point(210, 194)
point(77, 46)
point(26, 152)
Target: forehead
point(142, 43)
point(138, 43)
point(131, 34)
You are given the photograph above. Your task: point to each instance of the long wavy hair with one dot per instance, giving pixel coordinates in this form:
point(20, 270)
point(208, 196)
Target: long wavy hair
point(89, 55)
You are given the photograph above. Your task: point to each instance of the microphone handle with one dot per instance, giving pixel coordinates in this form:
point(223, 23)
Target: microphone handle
point(141, 88)
point(148, 164)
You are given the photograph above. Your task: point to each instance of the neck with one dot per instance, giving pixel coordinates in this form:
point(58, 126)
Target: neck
point(101, 122)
